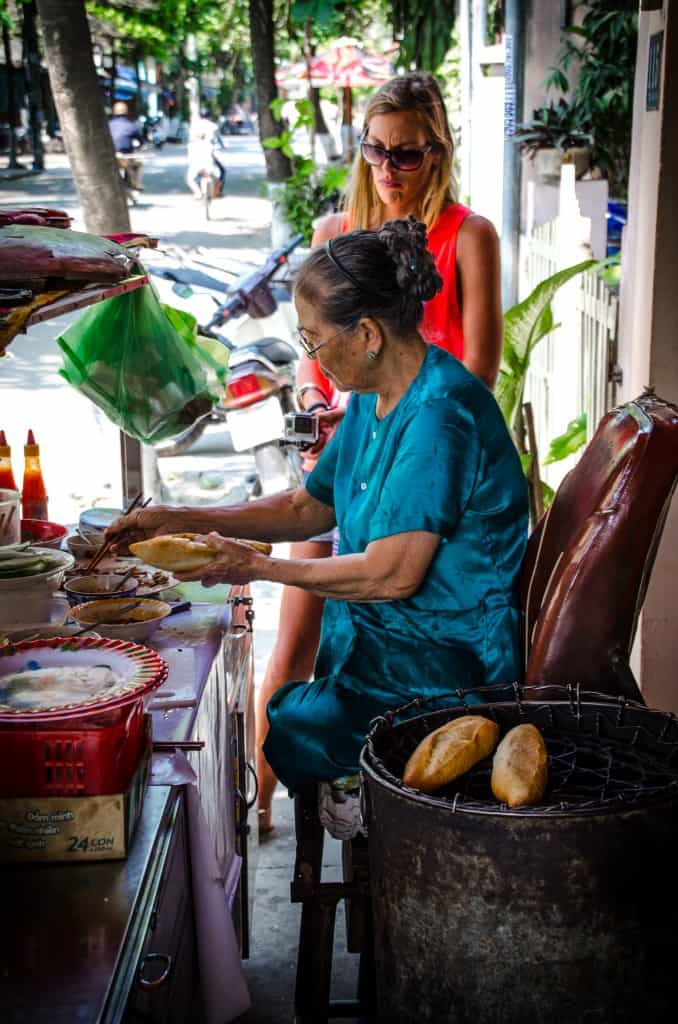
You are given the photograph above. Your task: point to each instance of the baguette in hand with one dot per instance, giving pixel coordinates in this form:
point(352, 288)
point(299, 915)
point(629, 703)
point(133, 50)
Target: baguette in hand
point(520, 767)
point(179, 552)
point(450, 751)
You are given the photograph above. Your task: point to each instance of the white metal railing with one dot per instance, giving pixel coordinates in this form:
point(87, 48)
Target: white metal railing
point(570, 370)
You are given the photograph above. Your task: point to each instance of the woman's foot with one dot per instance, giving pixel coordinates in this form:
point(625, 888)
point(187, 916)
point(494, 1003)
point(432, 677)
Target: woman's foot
point(265, 820)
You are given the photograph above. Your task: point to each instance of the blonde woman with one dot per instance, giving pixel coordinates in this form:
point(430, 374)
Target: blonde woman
point(404, 167)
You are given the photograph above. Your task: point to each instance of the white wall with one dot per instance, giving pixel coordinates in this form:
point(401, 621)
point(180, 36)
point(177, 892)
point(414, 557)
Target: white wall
point(648, 341)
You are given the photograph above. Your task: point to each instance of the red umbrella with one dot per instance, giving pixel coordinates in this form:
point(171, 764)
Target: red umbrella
point(345, 65)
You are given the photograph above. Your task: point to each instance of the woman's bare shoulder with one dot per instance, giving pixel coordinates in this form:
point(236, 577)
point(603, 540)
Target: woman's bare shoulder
point(328, 227)
point(477, 230)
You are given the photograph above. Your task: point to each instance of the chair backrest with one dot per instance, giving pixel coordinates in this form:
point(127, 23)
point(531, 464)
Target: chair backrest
point(589, 559)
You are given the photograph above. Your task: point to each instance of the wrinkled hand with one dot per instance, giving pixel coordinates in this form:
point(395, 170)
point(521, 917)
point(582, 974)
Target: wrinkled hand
point(327, 424)
point(143, 523)
point(232, 563)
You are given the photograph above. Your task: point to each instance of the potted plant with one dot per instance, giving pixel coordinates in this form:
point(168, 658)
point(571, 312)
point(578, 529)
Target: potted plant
point(553, 137)
point(309, 191)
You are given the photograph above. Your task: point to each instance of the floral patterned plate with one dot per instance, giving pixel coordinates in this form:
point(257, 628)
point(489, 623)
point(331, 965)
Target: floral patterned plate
point(61, 677)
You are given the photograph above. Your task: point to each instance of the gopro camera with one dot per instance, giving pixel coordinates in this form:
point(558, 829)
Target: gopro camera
point(301, 428)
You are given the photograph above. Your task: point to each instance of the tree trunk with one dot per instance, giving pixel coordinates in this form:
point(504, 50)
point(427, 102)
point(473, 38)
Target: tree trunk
point(319, 123)
point(80, 105)
point(114, 70)
point(11, 103)
point(31, 57)
point(278, 167)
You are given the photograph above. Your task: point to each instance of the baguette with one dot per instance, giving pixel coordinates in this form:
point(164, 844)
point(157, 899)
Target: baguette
point(450, 751)
point(520, 767)
point(179, 552)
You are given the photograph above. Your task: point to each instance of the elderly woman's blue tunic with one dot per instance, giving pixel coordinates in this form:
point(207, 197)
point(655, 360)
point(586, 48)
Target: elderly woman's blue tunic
point(441, 461)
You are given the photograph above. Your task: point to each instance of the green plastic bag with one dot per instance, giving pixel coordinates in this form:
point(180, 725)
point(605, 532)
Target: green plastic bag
point(138, 361)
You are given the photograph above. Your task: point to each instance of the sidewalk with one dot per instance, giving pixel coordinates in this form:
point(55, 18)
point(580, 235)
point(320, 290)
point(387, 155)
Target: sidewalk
point(167, 210)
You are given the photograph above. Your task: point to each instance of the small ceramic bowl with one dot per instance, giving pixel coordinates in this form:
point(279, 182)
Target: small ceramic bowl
point(83, 589)
point(82, 547)
point(137, 624)
point(44, 534)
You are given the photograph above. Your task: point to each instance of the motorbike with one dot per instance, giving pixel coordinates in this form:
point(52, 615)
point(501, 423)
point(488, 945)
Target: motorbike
point(261, 386)
point(128, 177)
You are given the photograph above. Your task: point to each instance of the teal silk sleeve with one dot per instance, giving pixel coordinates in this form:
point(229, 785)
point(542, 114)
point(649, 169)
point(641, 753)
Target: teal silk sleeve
point(320, 481)
point(432, 474)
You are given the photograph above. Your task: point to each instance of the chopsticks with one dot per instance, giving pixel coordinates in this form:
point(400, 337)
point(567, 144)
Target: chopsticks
point(105, 548)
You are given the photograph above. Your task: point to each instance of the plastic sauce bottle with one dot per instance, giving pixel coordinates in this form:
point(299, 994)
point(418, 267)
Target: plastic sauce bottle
point(33, 491)
point(7, 481)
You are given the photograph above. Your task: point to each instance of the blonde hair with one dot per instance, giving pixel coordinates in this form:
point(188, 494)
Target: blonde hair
point(417, 92)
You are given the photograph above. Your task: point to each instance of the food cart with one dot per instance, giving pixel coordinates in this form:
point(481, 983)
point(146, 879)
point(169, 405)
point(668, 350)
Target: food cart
point(157, 934)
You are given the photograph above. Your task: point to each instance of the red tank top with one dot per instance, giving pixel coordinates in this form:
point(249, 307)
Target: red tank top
point(442, 322)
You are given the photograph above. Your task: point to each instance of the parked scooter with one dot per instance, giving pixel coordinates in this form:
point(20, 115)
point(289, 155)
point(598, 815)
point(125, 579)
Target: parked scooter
point(260, 388)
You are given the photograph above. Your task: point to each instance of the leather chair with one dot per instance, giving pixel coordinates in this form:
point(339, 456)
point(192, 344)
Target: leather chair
point(589, 559)
point(583, 581)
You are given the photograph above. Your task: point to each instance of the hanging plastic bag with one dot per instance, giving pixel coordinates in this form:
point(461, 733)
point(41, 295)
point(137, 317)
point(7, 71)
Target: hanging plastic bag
point(138, 362)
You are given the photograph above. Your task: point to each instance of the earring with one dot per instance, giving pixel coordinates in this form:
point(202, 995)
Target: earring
point(371, 356)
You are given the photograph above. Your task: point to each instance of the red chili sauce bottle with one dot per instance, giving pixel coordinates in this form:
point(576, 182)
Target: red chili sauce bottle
point(33, 492)
point(7, 481)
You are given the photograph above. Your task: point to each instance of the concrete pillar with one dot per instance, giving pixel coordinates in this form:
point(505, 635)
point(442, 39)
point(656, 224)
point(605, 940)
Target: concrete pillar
point(648, 340)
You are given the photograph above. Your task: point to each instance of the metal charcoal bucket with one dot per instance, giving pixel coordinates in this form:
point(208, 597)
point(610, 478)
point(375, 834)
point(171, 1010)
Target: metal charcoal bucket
point(561, 913)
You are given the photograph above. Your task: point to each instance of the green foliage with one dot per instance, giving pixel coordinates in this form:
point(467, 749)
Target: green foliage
point(322, 13)
point(602, 54)
point(569, 442)
point(553, 125)
point(525, 324)
point(425, 28)
point(308, 190)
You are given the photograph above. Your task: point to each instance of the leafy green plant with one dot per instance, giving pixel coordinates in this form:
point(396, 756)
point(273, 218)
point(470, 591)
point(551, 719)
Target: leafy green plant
point(525, 325)
point(309, 190)
point(601, 51)
point(570, 441)
point(552, 126)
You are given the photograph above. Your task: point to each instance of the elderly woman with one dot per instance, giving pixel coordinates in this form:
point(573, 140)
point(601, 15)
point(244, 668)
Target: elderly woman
point(427, 489)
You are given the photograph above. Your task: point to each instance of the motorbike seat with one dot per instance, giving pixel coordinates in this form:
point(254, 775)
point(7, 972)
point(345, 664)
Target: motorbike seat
point(275, 349)
point(190, 277)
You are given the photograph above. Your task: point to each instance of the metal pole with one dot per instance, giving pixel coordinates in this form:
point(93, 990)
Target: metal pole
point(513, 112)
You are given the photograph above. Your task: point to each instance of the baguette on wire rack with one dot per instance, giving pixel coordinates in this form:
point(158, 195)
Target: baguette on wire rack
point(180, 552)
point(520, 767)
point(450, 751)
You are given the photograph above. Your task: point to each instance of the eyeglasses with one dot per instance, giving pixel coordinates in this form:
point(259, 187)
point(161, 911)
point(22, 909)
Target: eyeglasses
point(309, 348)
point(402, 158)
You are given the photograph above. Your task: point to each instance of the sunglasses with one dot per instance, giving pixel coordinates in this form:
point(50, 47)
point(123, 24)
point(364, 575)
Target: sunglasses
point(309, 348)
point(403, 158)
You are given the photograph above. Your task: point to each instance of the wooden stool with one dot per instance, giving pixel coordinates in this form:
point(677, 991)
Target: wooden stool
point(318, 914)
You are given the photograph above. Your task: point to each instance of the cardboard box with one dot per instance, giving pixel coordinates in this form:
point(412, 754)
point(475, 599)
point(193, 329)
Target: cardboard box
point(78, 828)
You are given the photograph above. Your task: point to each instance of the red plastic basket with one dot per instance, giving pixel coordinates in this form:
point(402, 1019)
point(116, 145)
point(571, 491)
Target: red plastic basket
point(90, 756)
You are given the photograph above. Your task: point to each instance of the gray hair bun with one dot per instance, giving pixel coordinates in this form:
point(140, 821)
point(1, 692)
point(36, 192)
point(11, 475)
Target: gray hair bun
point(416, 273)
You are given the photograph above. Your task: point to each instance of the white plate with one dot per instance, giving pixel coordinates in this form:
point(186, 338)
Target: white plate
point(255, 425)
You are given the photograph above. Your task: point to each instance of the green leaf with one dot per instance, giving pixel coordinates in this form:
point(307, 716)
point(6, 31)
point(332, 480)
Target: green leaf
point(273, 142)
point(547, 494)
point(569, 442)
point(525, 324)
point(276, 107)
point(334, 178)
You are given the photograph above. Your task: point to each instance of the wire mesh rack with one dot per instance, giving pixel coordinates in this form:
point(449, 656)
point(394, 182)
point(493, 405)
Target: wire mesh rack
point(604, 753)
